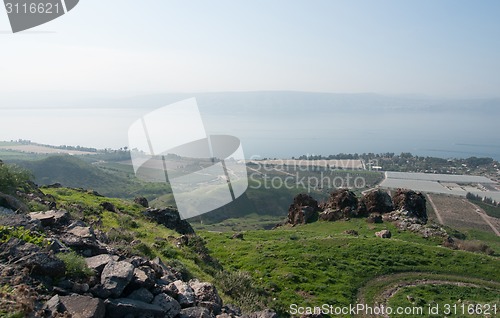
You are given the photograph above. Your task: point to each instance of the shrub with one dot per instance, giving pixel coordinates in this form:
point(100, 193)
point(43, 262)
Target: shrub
point(13, 178)
point(239, 286)
point(8, 232)
point(475, 247)
point(75, 265)
point(169, 252)
point(143, 250)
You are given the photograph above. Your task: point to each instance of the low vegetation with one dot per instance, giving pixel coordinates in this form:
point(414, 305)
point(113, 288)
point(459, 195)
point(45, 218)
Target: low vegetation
point(317, 263)
point(75, 265)
point(13, 178)
point(8, 232)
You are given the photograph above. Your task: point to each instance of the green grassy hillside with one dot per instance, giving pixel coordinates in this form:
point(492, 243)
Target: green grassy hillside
point(317, 264)
point(307, 265)
point(71, 171)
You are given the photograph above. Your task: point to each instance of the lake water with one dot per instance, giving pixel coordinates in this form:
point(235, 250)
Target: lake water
point(278, 132)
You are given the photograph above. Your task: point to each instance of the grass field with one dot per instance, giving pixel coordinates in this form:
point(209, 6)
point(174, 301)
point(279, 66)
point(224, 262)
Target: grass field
point(315, 264)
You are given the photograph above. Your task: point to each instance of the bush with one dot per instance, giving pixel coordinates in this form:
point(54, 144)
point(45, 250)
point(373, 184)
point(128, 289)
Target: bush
point(169, 252)
point(143, 250)
point(475, 247)
point(13, 178)
point(8, 232)
point(240, 287)
point(75, 265)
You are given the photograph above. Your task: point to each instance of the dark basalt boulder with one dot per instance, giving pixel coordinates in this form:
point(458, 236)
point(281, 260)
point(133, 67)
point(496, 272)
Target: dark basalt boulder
point(378, 202)
point(108, 206)
point(411, 201)
point(32, 257)
point(341, 204)
point(304, 209)
point(170, 218)
point(142, 201)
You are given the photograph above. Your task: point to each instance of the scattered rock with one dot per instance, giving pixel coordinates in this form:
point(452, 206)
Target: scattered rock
point(116, 276)
point(185, 296)
point(143, 276)
point(238, 236)
point(83, 306)
point(108, 206)
point(195, 312)
point(124, 307)
point(53, 305)
point(142, 294)
point(374, 218)
point(38, 261)
point(51, 218)
point(207, 296)
point(351, 232)
point(98, 262)
point(384, 234)
point(20, 220)
point(169, 305)
point(170, 218)
point(82, 238)
point(142, 201)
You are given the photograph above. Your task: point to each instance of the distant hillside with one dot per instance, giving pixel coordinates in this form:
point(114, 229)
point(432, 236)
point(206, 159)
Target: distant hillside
point(73, 172)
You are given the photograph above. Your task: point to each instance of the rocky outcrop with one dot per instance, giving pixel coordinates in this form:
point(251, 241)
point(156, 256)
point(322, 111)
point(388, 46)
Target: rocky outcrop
point(411, 201)
point(341, 204)
point(378, 201)
point(304, 209)
point(170, 218)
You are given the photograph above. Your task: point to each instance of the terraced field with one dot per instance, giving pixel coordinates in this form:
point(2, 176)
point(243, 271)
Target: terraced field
point(458, 213)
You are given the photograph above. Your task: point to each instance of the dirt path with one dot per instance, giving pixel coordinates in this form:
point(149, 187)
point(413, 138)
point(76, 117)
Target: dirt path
point(396, 282)
point(436, 211)
point(484, 216)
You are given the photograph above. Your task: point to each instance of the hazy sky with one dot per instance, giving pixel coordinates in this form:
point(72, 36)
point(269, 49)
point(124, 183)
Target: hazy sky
point(440, 48)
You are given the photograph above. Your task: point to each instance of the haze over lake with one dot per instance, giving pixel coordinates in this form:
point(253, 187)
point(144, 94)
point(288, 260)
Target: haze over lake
point(276, 124)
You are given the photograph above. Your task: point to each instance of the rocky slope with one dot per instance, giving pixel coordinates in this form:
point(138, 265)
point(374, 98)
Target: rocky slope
point(54, 265)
